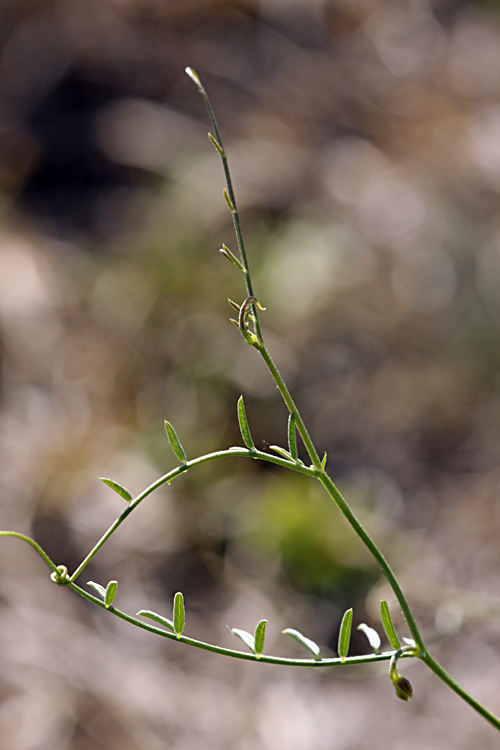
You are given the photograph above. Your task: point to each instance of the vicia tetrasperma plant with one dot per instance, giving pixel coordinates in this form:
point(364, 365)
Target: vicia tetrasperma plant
point(247, 321)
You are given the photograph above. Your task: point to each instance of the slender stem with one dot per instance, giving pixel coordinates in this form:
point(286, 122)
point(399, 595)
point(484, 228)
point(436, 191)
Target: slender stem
point(248, 278)
point(304, 434)
point(36, 546)
point(167, 478)
point(377, 554)
point(230, 190)
point(448, 680)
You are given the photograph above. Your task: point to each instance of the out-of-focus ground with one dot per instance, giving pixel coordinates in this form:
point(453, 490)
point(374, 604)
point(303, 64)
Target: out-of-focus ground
point(364, 138)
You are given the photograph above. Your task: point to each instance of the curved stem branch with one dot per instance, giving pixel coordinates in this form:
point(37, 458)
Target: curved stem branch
point(247, 656)
point(36, 546)
point(167, 478)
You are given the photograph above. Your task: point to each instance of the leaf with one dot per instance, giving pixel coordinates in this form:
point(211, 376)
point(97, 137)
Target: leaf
point(388, 625)
point(175, 443)
point(310, 645)
point(110, 593)
point(194, 77)
point(345, 635)
point(282, 452)
point(230, 256)
point(323, 461)
point(259, 638)
point(179, 614)
point(372, 636)
point(216, 144)
point(292, 436)
point(246, 637)
point(229, 202)
point(100, 589)
point(117, 488)
point(157, 618)
point(244, 427)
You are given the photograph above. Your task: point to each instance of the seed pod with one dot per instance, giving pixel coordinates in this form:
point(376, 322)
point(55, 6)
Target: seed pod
point(403, 688)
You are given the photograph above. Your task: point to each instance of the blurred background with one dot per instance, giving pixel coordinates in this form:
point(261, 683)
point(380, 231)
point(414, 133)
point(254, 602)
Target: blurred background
point(364, 139)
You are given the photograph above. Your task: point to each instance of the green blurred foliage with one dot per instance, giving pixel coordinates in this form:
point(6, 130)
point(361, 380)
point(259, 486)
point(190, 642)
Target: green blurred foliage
point(291, 519)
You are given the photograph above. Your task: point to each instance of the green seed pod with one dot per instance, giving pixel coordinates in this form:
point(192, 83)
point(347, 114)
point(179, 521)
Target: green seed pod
point(403, 688)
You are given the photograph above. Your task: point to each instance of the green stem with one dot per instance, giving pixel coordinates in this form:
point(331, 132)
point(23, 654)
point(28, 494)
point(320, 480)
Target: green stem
point(167, 478)
point(376, 553)
point(235, 214)
point(247, 656)
point(36, 546)
point(287, 398)
point(319, 472)
point(448, 680)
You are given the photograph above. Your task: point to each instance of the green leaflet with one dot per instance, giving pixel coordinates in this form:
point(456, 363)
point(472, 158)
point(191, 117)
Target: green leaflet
point(281, 452)
point(345, 634)
point(230, 256)
point(229, 202)
point(216, 144)
point(175, 443)
point(107, 594)
point(244, 427)
point(110, 593)
point(97, 587)
point(310, 645)
point(117, 488)
point(157, 618)
point(410, 642)
point(388, 625)
point(179, 614)
point(323, 461)
point(292, 436)
point(247, 638)
point(259, 637)
point(372, 636)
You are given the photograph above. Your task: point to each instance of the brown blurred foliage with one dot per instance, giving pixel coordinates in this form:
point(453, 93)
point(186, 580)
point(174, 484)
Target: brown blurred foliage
point(364, 143)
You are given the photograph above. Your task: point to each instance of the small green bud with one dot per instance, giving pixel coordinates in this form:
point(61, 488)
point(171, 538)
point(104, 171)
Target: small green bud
point(61, 577)
point(403, 688)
